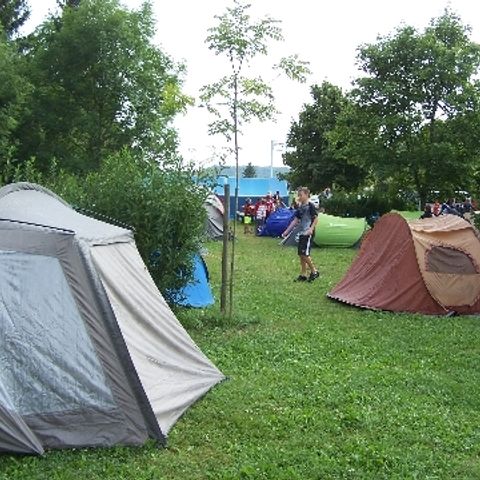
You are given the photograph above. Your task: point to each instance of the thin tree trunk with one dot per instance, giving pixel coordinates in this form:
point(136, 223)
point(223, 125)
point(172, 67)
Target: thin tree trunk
point(226, 217)
point(235, 133)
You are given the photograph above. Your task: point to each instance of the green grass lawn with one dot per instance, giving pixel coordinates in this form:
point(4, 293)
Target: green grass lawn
point(316, 389)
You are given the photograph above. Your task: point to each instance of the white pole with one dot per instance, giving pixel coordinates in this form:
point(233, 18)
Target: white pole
point(272, 146)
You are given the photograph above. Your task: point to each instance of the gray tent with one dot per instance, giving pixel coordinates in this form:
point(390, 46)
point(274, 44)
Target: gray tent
point(214, 227)
point(91, 354)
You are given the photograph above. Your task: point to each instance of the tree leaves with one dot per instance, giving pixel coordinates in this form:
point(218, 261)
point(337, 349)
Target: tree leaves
point(100, 85)
point(316, 158)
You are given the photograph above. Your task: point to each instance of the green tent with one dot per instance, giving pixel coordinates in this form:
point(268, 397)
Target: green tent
point(408, 215)
point(339, 232)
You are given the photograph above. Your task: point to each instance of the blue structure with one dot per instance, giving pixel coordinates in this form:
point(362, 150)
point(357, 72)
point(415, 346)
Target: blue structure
point(277, 223)
point(253, 188)
point(198, 293)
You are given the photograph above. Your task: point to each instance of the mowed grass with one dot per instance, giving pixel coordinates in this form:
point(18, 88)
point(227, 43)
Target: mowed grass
point(315, 389)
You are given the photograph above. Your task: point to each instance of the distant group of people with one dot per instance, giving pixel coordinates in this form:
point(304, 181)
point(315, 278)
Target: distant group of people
point(450, 207)
point(255, 214)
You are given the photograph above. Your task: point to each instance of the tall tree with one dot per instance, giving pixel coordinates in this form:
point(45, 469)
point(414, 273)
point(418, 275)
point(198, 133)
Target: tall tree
point(235, 99)
point(68, 3)
point(313, 157)
point(416, 89)
point(249, 171)
point(14, 90)
point(13, 14)
point(100, 85)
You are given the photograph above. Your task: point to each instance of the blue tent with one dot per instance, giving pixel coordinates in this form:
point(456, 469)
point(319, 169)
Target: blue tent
point(277, 223)
point(253, 188)
point(197, 293)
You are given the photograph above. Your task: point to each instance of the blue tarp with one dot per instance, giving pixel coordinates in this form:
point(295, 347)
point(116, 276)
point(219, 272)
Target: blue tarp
point(253, 188)
point(277, 222)
point(198, 293)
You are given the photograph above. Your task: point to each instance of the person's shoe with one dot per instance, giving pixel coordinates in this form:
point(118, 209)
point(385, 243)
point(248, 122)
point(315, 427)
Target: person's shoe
point(313, 276)
point(301, 278)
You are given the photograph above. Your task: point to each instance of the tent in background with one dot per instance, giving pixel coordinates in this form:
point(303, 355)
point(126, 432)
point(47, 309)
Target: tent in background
point(91, 353)
point(334, 231)
point(197, 293)
point(409, 215)
point(277, 222)
point(214, 223)
point(429, 266)
point(253, 188)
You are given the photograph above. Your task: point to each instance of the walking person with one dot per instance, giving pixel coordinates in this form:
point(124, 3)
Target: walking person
point(305, 215)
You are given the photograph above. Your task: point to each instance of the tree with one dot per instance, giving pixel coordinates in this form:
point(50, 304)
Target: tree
point(100, 85)
point(314, 159)
point(13, 14)
point(68, 3)
point(14, 90)
point(249, 171)
point(416, 90)
point(236, 99)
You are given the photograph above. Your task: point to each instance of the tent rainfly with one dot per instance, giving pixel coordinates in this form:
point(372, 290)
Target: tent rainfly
point(91, 353)
point(334, 231)
point(277, 223)
point(429, 266)
point(197, 293)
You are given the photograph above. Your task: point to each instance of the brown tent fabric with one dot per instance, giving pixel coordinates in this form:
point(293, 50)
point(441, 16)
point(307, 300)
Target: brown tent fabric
point(454, 286)
point(428, 266)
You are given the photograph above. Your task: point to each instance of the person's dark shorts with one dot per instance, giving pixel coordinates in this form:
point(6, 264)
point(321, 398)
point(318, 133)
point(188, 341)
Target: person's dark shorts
point(304, 245)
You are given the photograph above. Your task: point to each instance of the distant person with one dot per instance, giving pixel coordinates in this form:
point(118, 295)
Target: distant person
point(270, 205)
point(260, 214)
point(437, 207)
point(448, 208)
point(467, 208)
point(427, 212)
point(248, 216)
point(372, 219)
point(327, 193)
point(306, 216)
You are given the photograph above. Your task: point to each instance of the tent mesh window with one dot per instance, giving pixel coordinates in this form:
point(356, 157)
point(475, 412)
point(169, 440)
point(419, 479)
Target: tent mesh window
point(48, 361)
point(442, 259)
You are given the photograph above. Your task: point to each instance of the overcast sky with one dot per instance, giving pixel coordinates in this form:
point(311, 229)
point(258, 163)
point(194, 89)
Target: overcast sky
point(325, 33)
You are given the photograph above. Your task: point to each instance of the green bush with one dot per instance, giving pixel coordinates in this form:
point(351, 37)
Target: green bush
point(164, 206)
point(364, 204)
point(476, 220)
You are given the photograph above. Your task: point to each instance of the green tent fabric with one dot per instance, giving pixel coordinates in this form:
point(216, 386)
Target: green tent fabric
point(334, 231)
point(408, 216)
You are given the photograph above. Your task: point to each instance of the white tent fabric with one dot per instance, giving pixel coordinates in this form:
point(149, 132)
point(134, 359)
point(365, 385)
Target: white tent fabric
point(38, 207)
point(215, 210)
point(173, 371)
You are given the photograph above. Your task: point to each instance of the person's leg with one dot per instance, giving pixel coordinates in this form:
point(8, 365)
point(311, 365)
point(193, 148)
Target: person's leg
point(308, 261)
point(301, 255)
point(310, 264)
point(303, 266)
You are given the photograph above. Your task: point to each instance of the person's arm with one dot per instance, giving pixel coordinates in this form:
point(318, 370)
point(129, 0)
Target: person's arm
point(312, 226)
point(314, 215)
point(292, 225)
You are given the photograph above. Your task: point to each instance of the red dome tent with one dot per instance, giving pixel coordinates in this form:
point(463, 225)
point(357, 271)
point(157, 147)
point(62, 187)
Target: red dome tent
point(429, 266)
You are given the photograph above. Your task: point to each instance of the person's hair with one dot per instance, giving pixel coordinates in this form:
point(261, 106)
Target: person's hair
point(304, 190)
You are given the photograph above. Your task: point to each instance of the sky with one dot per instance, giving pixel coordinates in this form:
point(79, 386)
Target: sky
point(325, 33)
